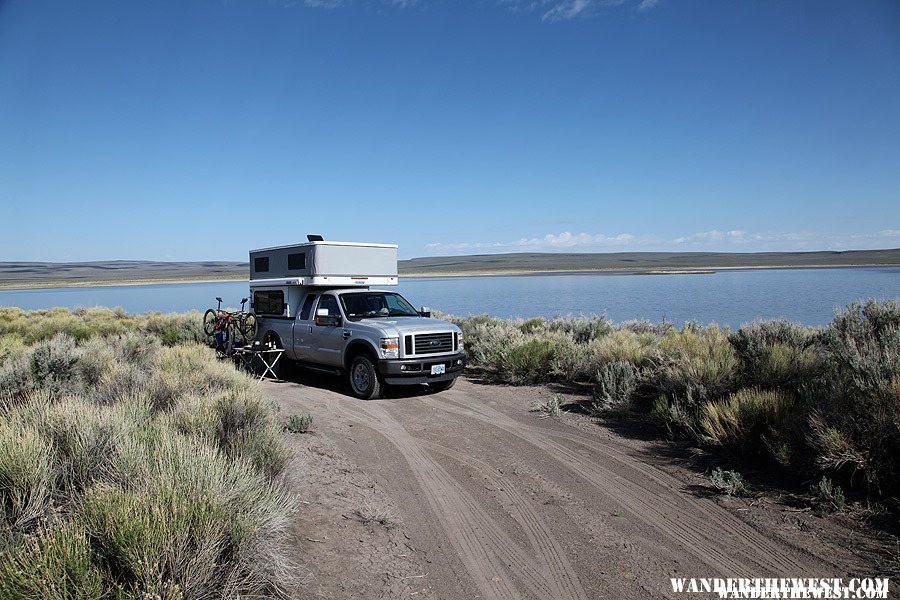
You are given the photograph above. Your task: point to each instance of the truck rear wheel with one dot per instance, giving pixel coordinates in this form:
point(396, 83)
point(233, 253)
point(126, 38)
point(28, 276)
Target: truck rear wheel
point(364, 378)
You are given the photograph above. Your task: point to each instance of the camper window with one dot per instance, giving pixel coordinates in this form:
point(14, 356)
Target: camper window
point(261, 264)
point(297, 261)
point(269, 302)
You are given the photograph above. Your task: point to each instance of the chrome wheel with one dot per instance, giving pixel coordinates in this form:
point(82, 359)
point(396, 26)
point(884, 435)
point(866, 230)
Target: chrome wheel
point(361, 379)
point(364, 381)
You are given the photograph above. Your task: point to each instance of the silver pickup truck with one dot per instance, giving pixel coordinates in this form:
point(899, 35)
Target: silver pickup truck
point(374, 337)
point(316, 300)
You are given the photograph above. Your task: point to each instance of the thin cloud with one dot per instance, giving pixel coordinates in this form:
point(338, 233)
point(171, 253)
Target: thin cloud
point(733, 236)
point(737, 239)
point(326, 4)
point(734, 240)
point(550, 241)
point(567, 10)
point(549, 10)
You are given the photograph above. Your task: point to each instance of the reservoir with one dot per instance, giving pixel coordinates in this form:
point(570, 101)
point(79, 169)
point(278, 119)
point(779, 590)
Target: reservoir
point(730, 297)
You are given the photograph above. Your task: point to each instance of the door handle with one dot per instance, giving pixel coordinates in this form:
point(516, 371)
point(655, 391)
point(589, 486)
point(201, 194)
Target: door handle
point(310, 328)
point(347, 334)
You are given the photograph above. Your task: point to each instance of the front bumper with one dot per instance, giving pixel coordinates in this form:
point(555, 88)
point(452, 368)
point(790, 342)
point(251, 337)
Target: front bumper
point(417, 370)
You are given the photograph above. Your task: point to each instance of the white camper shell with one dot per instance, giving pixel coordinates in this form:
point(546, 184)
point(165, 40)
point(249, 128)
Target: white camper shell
point(323, 263)
point(283, 276)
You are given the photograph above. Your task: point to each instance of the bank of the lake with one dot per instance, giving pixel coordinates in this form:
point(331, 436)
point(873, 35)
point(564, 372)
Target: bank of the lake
point(728, 297)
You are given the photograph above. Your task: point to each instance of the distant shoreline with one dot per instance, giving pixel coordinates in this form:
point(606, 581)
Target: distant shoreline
point(608, 272)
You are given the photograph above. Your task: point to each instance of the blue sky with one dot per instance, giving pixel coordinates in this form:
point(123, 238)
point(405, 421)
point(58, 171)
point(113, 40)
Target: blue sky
point(196, 129)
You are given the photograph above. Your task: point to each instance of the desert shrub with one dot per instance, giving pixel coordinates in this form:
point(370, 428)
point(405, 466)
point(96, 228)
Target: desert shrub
point(532, 325)
point(700, 362)
point(552, 406)
point(827, 497)
point(623, 345)
point(677, 413)
point(129, 469)
point(299, 423)
point(747, 420)
point(84, 438)
point(193, 369)
point(175, 328)
point(572, 361)
point(528, 362)
point(238, 422)
point(10, 344)
point(53, 362)
point(615, 385)
point(731, 483)
point(84, 323)
point(123, 381)
point(825, 398)
point(26, 475)
point(648, 327)
point(80, 324)
point(486, 343)
point(187, 516)
point(856, 426)
point(16, 381)
point(581, 330)
point(137, 348)
point(97, 358)
point(53, 564)
point(777, 354)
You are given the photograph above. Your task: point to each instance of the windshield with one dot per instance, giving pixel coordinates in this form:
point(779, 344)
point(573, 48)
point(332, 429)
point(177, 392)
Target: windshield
point(372, 305)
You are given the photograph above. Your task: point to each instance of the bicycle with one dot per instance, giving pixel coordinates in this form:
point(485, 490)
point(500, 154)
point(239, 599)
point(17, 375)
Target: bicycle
point(218, 320)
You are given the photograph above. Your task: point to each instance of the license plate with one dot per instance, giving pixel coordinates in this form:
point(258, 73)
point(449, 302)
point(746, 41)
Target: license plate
point(438, 369)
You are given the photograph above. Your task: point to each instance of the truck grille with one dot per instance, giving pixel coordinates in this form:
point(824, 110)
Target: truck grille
point(432, 343)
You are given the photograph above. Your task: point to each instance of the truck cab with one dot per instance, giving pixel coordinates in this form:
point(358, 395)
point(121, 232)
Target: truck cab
point(336, 322)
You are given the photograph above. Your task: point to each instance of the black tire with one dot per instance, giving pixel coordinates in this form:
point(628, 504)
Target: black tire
point(248, 328)
point(209, 322)
point(440, 386)
point(365, 381)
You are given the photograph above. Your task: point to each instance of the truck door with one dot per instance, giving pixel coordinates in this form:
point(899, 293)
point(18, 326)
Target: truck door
point(303, 329)
point(326, 341)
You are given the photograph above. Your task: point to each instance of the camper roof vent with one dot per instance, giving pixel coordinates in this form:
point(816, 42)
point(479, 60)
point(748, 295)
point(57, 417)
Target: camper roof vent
point(315, 238)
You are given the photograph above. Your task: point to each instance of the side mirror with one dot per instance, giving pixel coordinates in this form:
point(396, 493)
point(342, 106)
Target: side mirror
point(326, 320)
point(425, 311)
point(243, 300)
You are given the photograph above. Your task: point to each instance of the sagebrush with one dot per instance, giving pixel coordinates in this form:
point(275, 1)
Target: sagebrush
point(133, 463)
point(820, 399)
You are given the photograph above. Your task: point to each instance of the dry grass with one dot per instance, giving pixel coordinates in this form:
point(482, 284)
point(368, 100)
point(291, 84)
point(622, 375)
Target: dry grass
point(825, 399)
point(130, 467)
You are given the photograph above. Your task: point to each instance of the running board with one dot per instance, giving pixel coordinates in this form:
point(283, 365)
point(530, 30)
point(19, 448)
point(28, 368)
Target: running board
point(320, 368)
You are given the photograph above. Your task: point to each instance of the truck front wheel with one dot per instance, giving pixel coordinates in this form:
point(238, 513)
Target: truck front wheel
point(364, 378)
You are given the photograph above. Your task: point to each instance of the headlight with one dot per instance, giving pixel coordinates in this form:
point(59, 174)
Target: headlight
point(459, 341)
point(390, 347)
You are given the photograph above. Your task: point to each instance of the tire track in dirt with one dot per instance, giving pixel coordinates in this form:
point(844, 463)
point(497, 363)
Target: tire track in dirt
point(484, 548)
point(555, 561)
point(701, 530)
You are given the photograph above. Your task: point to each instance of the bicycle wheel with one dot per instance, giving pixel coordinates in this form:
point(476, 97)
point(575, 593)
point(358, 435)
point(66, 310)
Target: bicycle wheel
point(209, 322)
point(248, 328)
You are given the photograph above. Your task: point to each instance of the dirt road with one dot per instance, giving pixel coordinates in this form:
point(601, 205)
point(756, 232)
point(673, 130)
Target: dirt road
point(471, 494)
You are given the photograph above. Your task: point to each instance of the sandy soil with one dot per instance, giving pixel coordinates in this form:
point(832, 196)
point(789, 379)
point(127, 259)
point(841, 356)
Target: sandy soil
point(471, 494)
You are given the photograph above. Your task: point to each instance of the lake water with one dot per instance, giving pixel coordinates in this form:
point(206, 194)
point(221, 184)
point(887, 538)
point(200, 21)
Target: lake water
point(807, 296)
